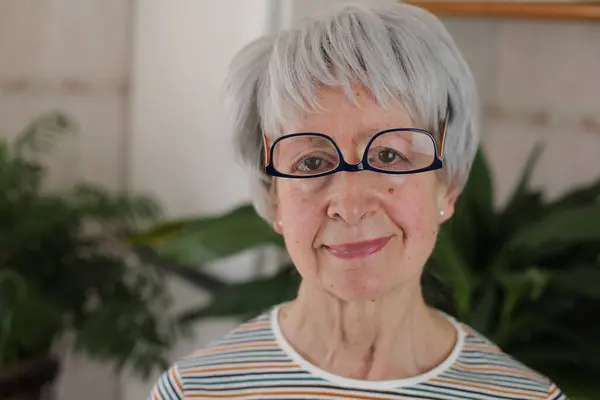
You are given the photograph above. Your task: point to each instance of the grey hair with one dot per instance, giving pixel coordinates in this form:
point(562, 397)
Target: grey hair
point(398, 52)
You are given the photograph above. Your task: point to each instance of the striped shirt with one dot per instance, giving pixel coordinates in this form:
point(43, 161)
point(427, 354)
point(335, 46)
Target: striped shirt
point(254, 361)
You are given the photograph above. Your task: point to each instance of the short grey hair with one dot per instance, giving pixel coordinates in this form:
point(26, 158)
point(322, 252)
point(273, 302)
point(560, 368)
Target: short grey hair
point(396, 51)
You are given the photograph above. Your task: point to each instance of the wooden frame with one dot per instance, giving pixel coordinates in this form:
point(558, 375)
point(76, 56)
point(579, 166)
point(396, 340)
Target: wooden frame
point(562, 10)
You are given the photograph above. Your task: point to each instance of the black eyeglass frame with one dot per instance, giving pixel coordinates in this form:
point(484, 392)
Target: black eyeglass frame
point(363, 165)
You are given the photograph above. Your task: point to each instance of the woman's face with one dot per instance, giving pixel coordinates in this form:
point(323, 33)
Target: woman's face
point(359, 235)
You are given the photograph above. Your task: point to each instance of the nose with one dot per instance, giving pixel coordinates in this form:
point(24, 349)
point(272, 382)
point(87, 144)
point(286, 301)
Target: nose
point(352, 197)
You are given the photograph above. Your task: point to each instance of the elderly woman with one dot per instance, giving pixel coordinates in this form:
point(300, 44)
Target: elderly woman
point(360, 128)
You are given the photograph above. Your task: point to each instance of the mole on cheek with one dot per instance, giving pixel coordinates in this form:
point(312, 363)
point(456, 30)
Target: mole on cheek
point(391, 190)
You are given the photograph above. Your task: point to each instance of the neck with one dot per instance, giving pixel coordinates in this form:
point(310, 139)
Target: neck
point(395, 337)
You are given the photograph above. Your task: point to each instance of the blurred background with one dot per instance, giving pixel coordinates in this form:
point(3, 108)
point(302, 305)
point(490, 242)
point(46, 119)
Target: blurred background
point(140, 82)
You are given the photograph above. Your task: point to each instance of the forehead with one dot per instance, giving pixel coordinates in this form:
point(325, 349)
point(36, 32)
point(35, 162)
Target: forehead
point(343, 117)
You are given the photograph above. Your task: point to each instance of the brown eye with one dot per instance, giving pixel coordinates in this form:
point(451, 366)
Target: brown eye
point(387, 156)
point(311, 164)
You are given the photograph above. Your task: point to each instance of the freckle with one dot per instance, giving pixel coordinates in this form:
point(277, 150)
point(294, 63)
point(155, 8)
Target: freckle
point(391, 190)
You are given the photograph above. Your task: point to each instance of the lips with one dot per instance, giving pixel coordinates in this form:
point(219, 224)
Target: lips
point(358, 249)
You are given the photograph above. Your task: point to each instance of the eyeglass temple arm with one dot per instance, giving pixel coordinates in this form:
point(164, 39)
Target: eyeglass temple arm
point(443, 129)
point(267, 150)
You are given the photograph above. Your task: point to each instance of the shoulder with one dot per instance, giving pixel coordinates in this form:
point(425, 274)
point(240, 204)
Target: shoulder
point(482, 362)
point(249, 358)
point(249, 350)
point(254, 336)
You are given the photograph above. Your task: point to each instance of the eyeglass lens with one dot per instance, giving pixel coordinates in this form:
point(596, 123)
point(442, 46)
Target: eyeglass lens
point(395, 151)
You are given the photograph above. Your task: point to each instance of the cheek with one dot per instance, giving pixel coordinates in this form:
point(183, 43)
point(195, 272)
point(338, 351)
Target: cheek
point(413, 208)
point(299, 212)
point(302, 218)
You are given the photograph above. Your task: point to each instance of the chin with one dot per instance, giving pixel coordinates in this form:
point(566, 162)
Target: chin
point(358, 287)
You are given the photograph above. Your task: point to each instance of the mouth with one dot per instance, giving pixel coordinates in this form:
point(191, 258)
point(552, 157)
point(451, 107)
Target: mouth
point(358, 249)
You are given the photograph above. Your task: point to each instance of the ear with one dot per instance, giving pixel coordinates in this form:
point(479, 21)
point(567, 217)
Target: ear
point(446, 199)
point(278, 226)
point(277, 221)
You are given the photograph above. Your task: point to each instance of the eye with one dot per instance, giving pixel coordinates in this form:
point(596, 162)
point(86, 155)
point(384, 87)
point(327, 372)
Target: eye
point(315, 164)
point(388, 156)
point(311, 164)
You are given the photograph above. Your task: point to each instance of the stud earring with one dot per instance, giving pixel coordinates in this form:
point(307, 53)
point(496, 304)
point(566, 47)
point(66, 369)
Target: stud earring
point(442, 213)
point(280, 223)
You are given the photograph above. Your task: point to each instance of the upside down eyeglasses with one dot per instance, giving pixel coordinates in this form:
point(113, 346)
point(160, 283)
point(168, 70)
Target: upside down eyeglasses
point(391, 151)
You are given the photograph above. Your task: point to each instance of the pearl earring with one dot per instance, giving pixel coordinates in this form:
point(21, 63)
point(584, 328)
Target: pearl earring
point(442, 213)
point(280, 222)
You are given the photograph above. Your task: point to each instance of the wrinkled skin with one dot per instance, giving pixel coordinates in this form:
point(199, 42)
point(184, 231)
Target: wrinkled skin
point(364, 317)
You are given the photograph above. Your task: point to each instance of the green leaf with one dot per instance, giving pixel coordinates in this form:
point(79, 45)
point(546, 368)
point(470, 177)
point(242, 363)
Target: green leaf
point(584, 342)
point(164, 232)
point(98, 203)
point(13, 289)
point(520, 287)
point(548, 356)
point(523, 326)
point(485, 309)
point(205, 240)
point(524, 204)
point(63, 248)
point(450, 265)
point(581, 281)
point(474, 213)
point(576, 382)
point(41, 134)
point(563, 227)
point(249, 298)
point(577, 197)
point(479, 188)
point(521, 189)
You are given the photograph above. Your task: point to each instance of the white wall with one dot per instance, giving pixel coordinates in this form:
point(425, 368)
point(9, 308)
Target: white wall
point(73, 57)
point(179, 147)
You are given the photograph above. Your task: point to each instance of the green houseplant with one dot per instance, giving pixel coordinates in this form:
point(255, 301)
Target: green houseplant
point(526, 275)
point(65, 274)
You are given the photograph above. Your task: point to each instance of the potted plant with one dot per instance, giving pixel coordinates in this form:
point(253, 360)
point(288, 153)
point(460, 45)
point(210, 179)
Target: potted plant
point(65, 274)
point(526, 275)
